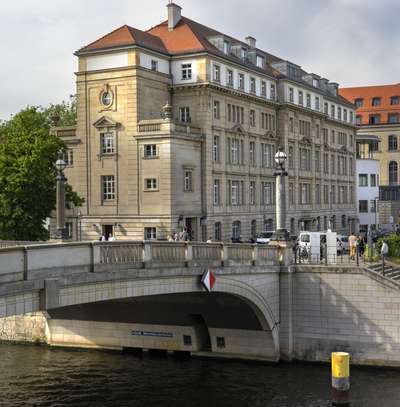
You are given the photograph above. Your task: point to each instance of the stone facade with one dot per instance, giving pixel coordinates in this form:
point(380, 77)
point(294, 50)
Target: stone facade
point(206, 160)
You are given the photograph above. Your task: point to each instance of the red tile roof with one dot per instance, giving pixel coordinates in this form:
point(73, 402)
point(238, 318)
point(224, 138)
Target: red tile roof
point(125, 36)
point(367, 93)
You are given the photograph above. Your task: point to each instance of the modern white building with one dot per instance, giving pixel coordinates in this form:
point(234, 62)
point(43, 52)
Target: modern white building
point(368, 182)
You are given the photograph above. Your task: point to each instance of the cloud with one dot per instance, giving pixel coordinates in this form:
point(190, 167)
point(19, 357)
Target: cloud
point(353, 42)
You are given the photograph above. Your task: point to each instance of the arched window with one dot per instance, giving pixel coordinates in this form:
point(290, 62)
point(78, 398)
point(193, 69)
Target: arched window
point(253, 228)
point(292, 226)
point(318, 223)
point(269, 225)
point(217, 231)
point(392, 144)
point(393, 172)
point(236, 230)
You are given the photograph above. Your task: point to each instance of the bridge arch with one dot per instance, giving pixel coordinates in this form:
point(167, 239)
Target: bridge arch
point(117, 290)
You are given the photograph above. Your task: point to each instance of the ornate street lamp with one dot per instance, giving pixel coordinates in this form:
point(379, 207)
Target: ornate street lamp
point(60, 199)
point(280, 234)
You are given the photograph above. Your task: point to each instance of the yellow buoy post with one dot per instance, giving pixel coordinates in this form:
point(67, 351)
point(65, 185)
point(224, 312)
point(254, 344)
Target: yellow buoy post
point(340, 379)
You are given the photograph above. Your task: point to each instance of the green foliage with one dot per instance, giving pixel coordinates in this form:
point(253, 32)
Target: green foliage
point(393, 242)
point(27, 174)
point(63, 114)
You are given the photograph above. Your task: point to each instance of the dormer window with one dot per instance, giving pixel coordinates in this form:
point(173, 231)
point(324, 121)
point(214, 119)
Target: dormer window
point(226, 47)
point(315, 83)
point(243, 53)
point(260, 61)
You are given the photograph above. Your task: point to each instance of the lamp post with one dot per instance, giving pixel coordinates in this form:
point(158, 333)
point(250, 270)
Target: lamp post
point(376, 199)
point(60, 198)
point(280, 234)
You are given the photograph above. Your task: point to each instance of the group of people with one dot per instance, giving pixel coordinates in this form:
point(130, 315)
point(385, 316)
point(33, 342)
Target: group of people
point(182, 236)
point(356, 245)
point(109, 238)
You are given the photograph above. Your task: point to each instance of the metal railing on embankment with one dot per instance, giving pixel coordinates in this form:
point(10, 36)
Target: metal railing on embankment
point(326, 255)
point(54, 260)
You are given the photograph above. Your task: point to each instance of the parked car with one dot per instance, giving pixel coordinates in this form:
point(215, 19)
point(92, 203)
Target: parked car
point(264, 237)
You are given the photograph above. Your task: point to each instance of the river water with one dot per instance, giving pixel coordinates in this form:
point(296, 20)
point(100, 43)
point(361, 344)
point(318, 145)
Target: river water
point(40, 376)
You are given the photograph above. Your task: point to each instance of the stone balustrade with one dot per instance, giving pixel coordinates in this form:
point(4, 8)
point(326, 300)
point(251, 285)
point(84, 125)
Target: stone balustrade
point(55, 260)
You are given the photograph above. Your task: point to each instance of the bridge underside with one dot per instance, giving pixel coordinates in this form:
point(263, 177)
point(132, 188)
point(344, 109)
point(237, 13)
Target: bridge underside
point(194, 322)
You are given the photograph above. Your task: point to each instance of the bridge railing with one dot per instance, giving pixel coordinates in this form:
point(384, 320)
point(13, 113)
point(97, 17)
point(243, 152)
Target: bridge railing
point(55, 260)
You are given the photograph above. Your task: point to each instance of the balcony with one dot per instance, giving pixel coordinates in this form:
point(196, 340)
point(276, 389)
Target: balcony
point(167, 126)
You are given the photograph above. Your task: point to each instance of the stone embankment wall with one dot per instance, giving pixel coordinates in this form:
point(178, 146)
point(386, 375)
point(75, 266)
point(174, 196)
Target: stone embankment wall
point(340, 309)
point(24, 328)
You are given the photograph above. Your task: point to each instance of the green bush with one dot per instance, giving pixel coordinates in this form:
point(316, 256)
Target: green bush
point(393, 242)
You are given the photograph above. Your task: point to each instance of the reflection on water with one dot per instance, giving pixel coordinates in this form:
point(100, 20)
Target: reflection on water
point(40, 376)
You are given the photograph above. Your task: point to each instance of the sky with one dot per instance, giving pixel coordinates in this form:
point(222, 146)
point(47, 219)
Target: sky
point(352, 42)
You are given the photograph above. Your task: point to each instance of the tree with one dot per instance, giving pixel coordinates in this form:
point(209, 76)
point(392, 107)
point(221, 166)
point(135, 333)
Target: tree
point(27, 174)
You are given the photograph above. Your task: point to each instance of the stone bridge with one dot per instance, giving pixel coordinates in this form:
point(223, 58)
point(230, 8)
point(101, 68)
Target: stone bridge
point(146, 295)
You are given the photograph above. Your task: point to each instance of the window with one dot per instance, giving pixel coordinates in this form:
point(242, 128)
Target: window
point(358, 119)
point(154, 65)
point(376, 101)
point(325, 135)
point(229, 77)
point(107, 98)
point(187, 340)
point(68, 157)
point(243, 53)
point(241, 81)
point(291, 95)
point(372, 205)
point(236, 230)
point(333, 164)
point(253, 228)
point(184, 114)
point(263, 88)
point(305, 194)
point(317, 130)
point(326, 195)
point(291, 193)
point(226, 47)
point(393, 117)
point(317, 194)
point(393, 173)
point(300, 97)
point(362, 180)
point(326, 108)
point(392, 143)
point(363, 206)
point(217, 231)
point(188, 181)
point(150, 184)
point(235, 191)
point(359, 102)
point(252, 193)
point(186, 70)
point(217, 192)
point(343, 221)
point(108, 186)
point(260, 61)
point(326, 163)
point(216, 109)
point(317, 161)
point(252, 118)
point(252, 85)
point(291, 157)
point(220, 342)
point(267, 155)
point(267, 193)
point(273, 93)
point(317, 103)
point(333, 111)
point(345, 115)
point(216, 149)
point(374, 118)
point(150, 150)
point(252, 153)
point(217, 73)
point(150, 233)
point(308, 98)
point(305, 159)
point(69, 229)
point(339, 113)
point(394, 100)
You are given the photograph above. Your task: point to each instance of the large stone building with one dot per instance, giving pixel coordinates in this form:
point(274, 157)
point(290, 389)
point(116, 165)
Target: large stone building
point(178, 126)
point(378, 116)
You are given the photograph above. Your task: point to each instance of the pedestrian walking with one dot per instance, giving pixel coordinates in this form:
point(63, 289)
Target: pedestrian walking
point(352, 245)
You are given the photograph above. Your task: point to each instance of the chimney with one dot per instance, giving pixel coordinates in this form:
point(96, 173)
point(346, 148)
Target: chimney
point(174, 15)
point(251, 42)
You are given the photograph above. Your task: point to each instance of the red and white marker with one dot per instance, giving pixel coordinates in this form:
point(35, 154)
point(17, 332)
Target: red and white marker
point(208, 280)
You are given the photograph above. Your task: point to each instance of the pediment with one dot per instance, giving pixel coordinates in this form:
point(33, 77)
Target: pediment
point(306, 140)
point(270, 135)
point(105, 121)
point(238, 128)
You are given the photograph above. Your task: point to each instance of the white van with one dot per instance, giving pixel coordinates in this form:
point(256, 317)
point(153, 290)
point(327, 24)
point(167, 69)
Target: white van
point(310, 245)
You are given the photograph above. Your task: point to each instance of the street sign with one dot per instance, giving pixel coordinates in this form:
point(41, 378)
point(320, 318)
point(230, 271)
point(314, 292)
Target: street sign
point(208, 280)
